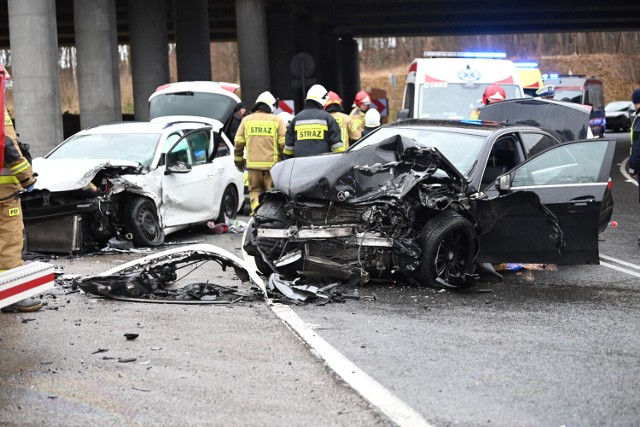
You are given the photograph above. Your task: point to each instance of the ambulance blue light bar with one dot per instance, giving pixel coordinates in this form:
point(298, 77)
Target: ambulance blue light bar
point(527, 65)
point(550, 76)
point(488, 55)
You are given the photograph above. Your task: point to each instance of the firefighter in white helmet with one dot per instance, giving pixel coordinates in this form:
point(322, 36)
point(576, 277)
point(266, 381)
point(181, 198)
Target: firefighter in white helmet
point(15, 176)
point(313, 131)
point(261, 137)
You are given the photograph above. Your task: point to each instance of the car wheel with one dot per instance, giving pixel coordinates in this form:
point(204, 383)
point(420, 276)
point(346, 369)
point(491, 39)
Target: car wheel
point(447, 248)
point(627, 126)
point(228, 205)
point(142, 222)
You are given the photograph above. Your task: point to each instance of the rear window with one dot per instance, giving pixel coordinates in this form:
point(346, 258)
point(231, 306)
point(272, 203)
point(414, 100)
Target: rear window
point(211, 105)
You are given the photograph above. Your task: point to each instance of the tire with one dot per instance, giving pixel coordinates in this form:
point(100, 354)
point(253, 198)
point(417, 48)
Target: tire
point(141, 220)
point(448, 246)
point(228, 205)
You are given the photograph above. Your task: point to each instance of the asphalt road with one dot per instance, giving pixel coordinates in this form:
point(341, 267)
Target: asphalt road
point(542, 347)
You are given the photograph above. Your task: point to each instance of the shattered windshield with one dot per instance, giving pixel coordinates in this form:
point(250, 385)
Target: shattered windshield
point(455, 100)
point(138, 147)
point(461, 149)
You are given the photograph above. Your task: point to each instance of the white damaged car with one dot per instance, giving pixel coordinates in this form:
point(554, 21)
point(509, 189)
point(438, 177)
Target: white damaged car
point(136, 181)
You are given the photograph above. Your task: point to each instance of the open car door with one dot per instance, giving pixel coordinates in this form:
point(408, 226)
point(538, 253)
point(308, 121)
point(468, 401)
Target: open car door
point(570, 180)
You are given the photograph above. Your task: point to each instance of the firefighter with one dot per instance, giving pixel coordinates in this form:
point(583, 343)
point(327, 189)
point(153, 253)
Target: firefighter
point(313, 131)
point(15, 176)
point(259, 139)
point(349, 131)
point(493, 93)
point(371, 121)
point(361, 103)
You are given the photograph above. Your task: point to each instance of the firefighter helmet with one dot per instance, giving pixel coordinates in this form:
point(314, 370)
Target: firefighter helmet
point(318, 94)
point(372, 118)
point(362, 98)
point(268, 99)
point(333, 98)
point(493, 93)
point(285, 117)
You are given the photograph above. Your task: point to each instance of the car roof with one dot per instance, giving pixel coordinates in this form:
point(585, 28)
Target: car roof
point(136, 127)
point(220, 88)
point(475, 126)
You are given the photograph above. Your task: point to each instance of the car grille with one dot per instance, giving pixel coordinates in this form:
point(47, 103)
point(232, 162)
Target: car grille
point(331, 215)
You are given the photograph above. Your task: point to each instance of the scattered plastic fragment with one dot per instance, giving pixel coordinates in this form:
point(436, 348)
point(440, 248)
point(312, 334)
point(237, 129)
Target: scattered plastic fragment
point(131, 337)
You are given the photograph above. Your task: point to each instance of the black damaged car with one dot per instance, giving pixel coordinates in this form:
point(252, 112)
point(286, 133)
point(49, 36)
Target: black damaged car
point(426, 201)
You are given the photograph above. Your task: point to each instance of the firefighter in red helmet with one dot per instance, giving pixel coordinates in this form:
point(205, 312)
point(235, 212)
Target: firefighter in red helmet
point(348, 128)
point(362, 103)
point(493, 93)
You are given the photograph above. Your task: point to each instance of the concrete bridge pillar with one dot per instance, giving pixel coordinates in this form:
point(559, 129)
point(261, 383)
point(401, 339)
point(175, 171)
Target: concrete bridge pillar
point(193, 51)
point(34, 69)
point(253, 49)
point(149, 51)
point(98, 62)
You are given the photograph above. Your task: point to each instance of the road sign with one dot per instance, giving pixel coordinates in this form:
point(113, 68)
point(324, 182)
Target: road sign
point(286, 105)
point(381, 105)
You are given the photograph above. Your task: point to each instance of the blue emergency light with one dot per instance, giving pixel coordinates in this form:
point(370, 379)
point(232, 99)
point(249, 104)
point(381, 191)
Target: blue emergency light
point(550, 76)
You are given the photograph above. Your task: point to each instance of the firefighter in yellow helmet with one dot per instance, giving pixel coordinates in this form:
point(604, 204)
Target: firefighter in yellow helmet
point(313, 131)
point(259, 139)
point(15, 176)
point(362, 103)
point(349, 131)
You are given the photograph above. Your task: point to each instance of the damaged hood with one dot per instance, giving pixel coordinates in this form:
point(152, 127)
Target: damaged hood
point(568, 120)
point(390, 168)
point(74, 174)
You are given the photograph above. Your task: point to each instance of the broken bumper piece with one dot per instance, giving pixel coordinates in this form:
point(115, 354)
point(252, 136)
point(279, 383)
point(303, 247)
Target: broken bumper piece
point(151, 275)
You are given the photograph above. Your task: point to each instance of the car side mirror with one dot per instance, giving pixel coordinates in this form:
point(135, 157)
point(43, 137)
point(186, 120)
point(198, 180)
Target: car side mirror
point(178, 167)
point(503, 183)
point(403, 114)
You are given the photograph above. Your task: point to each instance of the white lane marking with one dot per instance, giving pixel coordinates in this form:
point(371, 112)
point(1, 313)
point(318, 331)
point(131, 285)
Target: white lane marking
point(621, 269)
point(619, 261)
point(371, 390)
point(624, 173)
point(398, 412)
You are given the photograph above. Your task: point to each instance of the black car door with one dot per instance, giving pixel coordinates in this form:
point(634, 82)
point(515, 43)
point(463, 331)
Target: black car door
point(570, 180)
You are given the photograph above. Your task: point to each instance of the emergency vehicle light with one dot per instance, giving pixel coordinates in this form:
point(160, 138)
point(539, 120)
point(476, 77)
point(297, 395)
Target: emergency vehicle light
point(527, 65)
point(550, 76)
point(489, 55)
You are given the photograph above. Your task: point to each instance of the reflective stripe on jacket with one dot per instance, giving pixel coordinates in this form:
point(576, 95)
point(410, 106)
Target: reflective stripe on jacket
point(16, 173)
point(262, 135)
point(312, 131)
point(357, 115)
point(348, 129)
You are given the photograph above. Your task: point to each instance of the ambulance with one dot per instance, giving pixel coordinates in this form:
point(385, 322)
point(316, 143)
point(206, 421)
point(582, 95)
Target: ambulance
point(449, 85)
point(530, 77)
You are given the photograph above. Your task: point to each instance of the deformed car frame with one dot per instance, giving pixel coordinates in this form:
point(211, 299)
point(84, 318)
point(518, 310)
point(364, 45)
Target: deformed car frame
point(398, 207)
